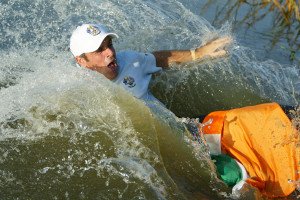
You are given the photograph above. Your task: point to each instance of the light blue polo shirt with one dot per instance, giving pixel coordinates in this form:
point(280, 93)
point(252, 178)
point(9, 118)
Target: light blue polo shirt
point(135, 72)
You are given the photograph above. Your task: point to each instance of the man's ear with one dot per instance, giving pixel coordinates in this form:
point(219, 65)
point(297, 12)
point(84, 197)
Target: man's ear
point(81, 61)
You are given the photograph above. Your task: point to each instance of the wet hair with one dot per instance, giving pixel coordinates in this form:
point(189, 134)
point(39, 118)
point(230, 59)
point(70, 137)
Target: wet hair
point(84, 57)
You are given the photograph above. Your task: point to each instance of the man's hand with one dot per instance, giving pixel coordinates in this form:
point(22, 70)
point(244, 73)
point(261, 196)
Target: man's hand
point(213, 49)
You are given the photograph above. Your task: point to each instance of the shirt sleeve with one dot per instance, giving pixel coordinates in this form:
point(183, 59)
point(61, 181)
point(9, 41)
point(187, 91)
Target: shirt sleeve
point(149, 63)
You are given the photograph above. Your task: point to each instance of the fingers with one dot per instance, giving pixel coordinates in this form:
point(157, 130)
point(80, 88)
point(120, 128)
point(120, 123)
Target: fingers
point(220, 42)
point(215, 48)
point(223, 40)
point(219, 53)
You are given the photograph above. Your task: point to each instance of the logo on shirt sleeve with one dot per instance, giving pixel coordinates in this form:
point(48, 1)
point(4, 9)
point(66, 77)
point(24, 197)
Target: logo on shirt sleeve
point(129, 81)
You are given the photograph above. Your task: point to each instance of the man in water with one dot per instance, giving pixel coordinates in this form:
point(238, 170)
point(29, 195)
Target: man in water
point(92, 47)
point(255, 136)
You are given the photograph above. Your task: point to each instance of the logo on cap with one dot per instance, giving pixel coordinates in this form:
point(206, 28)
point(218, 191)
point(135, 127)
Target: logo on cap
point(93, 30)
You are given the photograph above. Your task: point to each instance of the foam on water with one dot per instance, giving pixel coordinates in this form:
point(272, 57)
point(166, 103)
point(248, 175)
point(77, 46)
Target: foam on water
point(82, 114)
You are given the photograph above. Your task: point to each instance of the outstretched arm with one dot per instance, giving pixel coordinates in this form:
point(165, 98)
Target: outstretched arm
point(212, 49)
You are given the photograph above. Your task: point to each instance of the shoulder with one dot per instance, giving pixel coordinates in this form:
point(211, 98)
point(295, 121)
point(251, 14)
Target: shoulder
point(134, 56)
point(132, 60)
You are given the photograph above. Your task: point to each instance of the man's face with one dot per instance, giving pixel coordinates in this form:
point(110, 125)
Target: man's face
point(103, 60)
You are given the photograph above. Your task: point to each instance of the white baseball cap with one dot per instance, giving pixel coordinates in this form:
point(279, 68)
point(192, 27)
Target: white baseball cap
point(88, 38)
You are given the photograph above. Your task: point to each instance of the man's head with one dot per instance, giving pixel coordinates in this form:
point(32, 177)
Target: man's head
point(92, 48)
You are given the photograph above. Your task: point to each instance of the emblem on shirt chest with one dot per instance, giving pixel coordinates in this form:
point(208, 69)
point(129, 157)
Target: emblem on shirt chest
point(129, 81)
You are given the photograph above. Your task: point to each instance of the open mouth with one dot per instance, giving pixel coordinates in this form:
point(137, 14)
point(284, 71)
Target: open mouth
point(113, 65)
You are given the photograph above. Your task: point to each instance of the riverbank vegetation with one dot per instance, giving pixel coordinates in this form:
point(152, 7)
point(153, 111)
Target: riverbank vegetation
point(284, 23)
point(289, 9)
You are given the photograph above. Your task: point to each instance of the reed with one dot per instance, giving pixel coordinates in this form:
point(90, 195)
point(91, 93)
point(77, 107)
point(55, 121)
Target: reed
point(289, 9)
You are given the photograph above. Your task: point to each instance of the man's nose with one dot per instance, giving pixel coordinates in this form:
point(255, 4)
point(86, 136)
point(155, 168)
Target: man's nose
point(109, 51)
